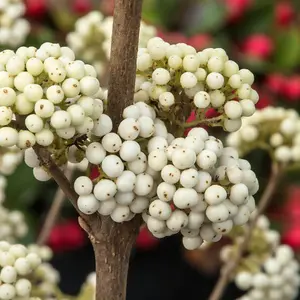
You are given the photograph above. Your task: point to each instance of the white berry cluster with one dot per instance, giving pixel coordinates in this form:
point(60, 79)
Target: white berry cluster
point(12, 222)
point(268, 270)
point(10, 159)
point(203, 189)
point(91, 38)
point(55, 93)
point(126, 181)
point(13, 28)
point(18, 268)
point(12, 225)
point(174, 77)
point(274, 129)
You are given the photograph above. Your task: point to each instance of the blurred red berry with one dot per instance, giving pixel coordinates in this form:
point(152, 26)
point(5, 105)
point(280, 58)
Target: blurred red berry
point(236, 9)
point(82, 6)
point(292, 205)
point(275, 83)
point(258, 46)
point(292, 237)
point(36, 8)
point(172, 37)
point(66, 236)
point(146, 240)
point(291, 88)
point(200, 41)
point(94, 172)
point(284, 13)
point(265, 99)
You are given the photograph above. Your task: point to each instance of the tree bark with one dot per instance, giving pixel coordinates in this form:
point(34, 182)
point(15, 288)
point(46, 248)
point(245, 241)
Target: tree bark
point(112, 247)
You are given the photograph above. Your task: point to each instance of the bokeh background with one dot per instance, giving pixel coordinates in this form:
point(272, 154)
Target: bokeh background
point(262, 35)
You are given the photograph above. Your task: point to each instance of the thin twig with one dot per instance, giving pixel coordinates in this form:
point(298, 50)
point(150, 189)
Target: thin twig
point(204, 121)
point(54, 211)
point(229, 268)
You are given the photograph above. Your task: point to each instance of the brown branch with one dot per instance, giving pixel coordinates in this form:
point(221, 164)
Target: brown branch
point(126, 27)
point(229, 268)
point(54, 211)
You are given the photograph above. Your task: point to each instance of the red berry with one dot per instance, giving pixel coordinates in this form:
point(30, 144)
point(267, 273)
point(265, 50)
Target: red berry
point(82, 6)
point(200, 41)
point(146, 240)
point(258, 46)
point(36, 8)
point(292, 88)
point(265, 99)
point(236, 9)
point(94, 173)
point(292, 237)
point(275, 83)
point(284, 13)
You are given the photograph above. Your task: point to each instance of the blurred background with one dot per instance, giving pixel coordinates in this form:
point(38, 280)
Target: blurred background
point(262, 35)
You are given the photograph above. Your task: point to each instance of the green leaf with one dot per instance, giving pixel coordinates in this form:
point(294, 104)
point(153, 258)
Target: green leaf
point(287, 49)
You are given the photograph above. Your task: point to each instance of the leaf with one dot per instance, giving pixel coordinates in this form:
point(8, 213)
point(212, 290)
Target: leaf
point(287, 49)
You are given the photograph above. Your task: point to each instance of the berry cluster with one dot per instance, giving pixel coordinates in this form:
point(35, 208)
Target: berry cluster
point(126, 180)
point(10, 159)
point(269, 270)
point(13, 29)
point(203, 189)
point(21, 268)
point(91, 39)
point(176, 79)
point(274, 129)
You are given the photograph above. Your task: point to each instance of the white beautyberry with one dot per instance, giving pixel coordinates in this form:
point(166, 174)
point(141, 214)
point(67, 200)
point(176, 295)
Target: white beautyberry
point(89, 85)
point(195, 220)
point(161, 76)
point(160, 210)
point(6, 115)
point(214, 145)
point(283, 154)
point(188, 80)
point(60, 119)
point(129, 151)
point(284, 254)
point(248, 107)
point(45, 137)
point(185, 198)
point(138, 165)
point(30, 158)
point(155, 225)
point(244, 91)
point(33, 92)
point(8, 136)
point(233, 109)
point(235, 81)
point(44, 108)
point(204, 181)
point(177, 220)
point(189, 178)
point(112, 166)
point(260, 281)
point(239, 194)
point(214, 80)
point(23, 287)
point(55, 94)
point(198, 131)
point(139, 204)
point(95, 153)
point(126, 181)
point(157, 160)
point(207, 233)
point(232, 125)
point(22, 266)
point(34, 123)
point(183, 158)
point(26, 139)
point(83, 185)
point(217, 213)
point(165, 191)
point(206, 159)
point(106, 207)
point(120, 213)
point(170, 174)
point(242, 216)
point(88, 204)
point(192, 243)
point(8, 274)
point(7, 291)
point(223, 227)
point(202, 99)
point(143, 185)
point(243, 280)
point(105, 189)
point(77, 114)
point(129, 129)
point(215, 194)
point(272, 266)
point(124, 198)
point(22, 80)
point(166, 99)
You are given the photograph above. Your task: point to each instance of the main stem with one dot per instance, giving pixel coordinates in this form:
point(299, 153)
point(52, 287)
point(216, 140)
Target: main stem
point(229, 268)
